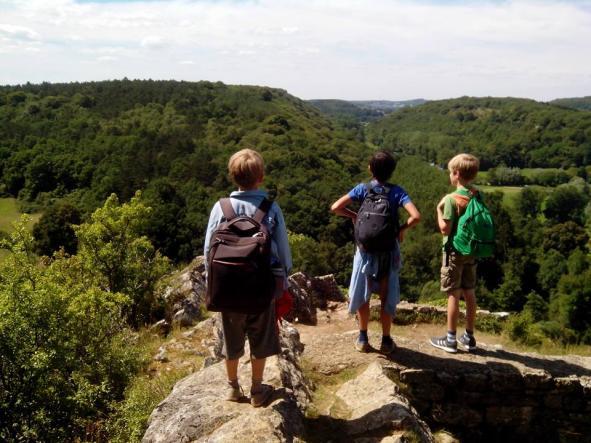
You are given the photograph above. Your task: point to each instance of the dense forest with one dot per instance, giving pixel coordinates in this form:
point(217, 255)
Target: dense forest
point(66, 147)
point(582, 103)
point(514, 132)
point(79, 152)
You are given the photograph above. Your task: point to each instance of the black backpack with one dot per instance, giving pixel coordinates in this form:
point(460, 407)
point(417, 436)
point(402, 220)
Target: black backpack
point(376, 228)
point(239, 277)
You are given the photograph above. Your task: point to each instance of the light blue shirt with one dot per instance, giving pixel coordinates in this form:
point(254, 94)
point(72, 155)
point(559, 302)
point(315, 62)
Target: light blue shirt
point(246, 203)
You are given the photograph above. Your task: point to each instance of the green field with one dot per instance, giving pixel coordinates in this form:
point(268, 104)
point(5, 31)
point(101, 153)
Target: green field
point(510, 193)
point(9, 213)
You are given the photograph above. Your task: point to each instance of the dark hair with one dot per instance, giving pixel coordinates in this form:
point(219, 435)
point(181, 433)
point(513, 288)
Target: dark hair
point(382, 165)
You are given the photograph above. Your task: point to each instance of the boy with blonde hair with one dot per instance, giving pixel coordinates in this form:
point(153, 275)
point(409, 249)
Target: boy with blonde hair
point(246, 169)
point(458, 272)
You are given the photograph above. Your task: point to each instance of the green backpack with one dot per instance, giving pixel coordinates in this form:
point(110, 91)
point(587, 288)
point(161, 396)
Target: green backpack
point(475, 234)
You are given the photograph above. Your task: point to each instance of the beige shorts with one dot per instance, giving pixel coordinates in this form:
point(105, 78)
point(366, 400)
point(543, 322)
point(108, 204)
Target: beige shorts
point(457, 271)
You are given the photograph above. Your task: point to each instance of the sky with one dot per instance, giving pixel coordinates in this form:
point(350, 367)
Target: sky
point(346, 49)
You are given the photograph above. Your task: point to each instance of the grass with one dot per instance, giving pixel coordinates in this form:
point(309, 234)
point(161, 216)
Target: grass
point(510, 193)
point(129, 420)
point(10, 213)
point(325, 387)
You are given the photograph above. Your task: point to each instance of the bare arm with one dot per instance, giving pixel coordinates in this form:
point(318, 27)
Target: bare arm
point(340, 207)
point(444, 225)
point(413, 219)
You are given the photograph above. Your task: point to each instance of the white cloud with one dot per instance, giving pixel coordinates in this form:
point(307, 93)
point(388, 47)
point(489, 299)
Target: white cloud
point(153, 42)
point(106, 58)
point(13, 32)
point(325, 48)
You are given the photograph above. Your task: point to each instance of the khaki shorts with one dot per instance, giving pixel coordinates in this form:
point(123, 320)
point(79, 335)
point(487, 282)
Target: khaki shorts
point(260, 329)
point(457, 271)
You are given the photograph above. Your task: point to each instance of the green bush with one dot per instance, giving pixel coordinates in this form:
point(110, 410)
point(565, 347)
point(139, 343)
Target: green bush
point(64, 351)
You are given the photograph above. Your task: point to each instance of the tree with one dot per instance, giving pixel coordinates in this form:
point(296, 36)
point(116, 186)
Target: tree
point(573, 303)
point(64, 352)
point(565, 238)
point(565, 203)
point(529, 202)
point(54, 230)
point(552, 268)
point(113, 249)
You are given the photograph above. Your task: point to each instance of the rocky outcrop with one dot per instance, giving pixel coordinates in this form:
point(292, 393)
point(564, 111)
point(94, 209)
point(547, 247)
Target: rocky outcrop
point(184, 294)
point(373, 404)
point(196, 409)
point(310, 293)
point(410, 313)
point(490, 395)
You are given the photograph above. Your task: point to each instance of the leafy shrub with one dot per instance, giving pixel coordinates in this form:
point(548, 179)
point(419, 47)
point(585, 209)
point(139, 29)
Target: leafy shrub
point(64, 350)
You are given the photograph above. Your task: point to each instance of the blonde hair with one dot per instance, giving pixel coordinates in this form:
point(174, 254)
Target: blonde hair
point(466, 164)
point(246, 168)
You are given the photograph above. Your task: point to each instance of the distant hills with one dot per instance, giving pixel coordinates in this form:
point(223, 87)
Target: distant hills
point(581, 103)
point(516, 132)
point(362, 110)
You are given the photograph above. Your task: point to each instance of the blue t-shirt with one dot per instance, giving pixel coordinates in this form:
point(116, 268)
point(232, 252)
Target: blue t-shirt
point(398, 196)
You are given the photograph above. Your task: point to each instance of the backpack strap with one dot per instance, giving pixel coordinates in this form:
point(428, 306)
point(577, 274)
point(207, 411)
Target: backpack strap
point(227, 209)
point(262, 210)
point(461, 202)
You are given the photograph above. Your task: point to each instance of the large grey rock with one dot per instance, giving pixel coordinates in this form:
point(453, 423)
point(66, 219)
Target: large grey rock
point(304, 300)
point(184, 293)
point(373, 403)
point(327, 289)
point(196, 411)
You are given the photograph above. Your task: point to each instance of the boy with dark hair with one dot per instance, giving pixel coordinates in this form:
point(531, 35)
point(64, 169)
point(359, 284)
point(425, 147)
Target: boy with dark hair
point(246, 168)
point(458, 272)
point(376, 270)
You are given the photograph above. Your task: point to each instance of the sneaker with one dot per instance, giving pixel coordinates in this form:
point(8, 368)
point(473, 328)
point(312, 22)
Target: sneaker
point(443, 343)
point(467, 342)
point(362, 346)
point(388, 346)
point(261, 397)
point(234, 393)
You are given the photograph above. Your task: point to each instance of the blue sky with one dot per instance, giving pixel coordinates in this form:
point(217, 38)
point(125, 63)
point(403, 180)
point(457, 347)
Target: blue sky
point(350, 49)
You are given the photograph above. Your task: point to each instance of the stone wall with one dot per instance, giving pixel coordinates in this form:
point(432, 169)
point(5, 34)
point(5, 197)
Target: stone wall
point(499, 402)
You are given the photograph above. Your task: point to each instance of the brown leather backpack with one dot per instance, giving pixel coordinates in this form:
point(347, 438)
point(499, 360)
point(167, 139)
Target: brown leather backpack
point(239, 277)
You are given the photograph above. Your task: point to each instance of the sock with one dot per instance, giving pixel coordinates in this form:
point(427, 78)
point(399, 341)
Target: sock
point(469, 333)
point(386, 338)
point(451, 336)
point(234, 383)
point(255, 386)
point(363, 336)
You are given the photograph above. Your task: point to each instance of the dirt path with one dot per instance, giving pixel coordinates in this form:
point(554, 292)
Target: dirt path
point(329, 349)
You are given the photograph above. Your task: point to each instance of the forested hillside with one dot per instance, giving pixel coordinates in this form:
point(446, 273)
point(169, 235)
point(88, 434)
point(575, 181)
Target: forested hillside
point(582, 103)
point(65, 148)
point(516, 132)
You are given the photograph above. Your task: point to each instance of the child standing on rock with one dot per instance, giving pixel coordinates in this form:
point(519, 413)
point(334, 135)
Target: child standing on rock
point(377, 260)
point(239, 321)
